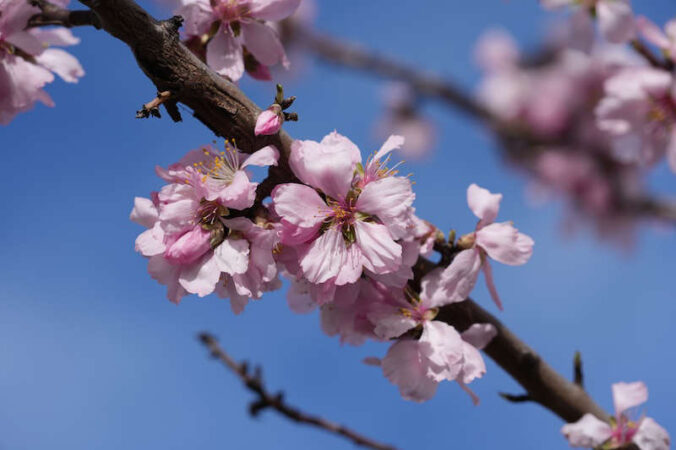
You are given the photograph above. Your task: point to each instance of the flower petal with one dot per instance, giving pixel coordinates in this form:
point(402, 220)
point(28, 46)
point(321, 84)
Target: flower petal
point(484, 204)
point(324, 257)
point(232, 256)
point(224, 55)
point(587, 432)
point(267, 156)
point(405, 367)
point(628, 395)
point(504, 243)
point(263, 43)
point(381, 254)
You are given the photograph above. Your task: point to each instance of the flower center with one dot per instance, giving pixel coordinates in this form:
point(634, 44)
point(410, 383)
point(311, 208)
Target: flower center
point(230, 10)
point(221, 167)
point(663, 111)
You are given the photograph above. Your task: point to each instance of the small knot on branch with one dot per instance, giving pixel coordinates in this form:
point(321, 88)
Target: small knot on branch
point(578, 374)
point(173, 24)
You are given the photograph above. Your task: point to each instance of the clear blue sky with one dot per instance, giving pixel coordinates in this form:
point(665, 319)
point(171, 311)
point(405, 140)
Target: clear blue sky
point(92, 355)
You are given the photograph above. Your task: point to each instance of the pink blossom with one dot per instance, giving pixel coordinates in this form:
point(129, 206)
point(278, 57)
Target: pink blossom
point(243, 39)
point(340, 223)
point(269, 121)
point(27, 60)
point(639, 111)
point(441, 353)
point(592, 432)
point(615, 17)
point(664, 40)
point(193, 246)
point(499, 241)
point(221, 175)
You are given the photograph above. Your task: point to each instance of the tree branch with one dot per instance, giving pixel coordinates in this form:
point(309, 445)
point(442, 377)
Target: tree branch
point(254, 382)
point(222, 107)
point(55, 15)
point(517, 142)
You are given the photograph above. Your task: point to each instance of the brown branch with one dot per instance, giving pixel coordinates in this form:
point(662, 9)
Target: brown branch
point(152, 108)
point(51, 14)
point(356, 57)
point(641, 49)
point(254, 382)
point(221, 106)
point(517, 142)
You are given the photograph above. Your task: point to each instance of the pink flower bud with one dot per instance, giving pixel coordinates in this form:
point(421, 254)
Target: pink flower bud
point(189, 247)
point(269, 121)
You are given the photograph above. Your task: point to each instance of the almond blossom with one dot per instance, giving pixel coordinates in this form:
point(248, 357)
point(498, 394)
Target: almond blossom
point(236, 34)
point(27, 60)
point(193, 245)
point(345, 218)
point(269, 121)
point(499, 241)
point(221, 175)
point(645, 433)
point(639, 111)
point(416, 366)
point(615, 17)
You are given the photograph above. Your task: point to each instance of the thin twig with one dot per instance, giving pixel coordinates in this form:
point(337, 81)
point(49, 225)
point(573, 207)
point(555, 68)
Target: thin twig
point(520, 398)
point(51, 14)
point(649, 56)
point(152, 108)
point(265, 400)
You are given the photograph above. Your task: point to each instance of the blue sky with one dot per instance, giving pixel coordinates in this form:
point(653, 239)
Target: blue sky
point(92, 355)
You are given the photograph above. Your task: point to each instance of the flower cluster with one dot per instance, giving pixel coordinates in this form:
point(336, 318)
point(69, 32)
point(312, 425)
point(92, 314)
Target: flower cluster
point(346, 236)
point(596, 116)
point(645, 433)
point(235, 35)
point(27, 60)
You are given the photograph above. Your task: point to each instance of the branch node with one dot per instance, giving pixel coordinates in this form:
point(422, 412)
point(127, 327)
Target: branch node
point(521, 398)
point(152, 108)
point(173, 24)
point(578, 374)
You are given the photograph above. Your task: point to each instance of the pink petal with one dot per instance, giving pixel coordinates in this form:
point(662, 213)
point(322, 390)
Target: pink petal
point(381, 254)
point(651, 436)
point(189, 247)
point(324, 257)
point(232, 256)
point(60, 36)
point(273, 9)
point(197, 17)
point(473, 365)
point(484, 204)
point(455, 282)
point(628, 395)
point(479, 335)
point(61, 63)
point(151, 242)
point(351, 269)
point(224, 55)
point(652, 33)
point(443, 347)
point(201, 277)
point(386, 198)
point(144, 212)
point(267, 156)
point(504, 243)
point(263, 43)
point(394, 142)
point(167, 274)
point(405, 367)
point(616, 20)
point(490, 284)
point(299, 205)
point(328, 165)
point(239, 194)
point(298, 297)
point(587, 432)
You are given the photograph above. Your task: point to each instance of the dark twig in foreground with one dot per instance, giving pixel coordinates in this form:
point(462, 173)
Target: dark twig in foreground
point(649, 56)
point(254, 382)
